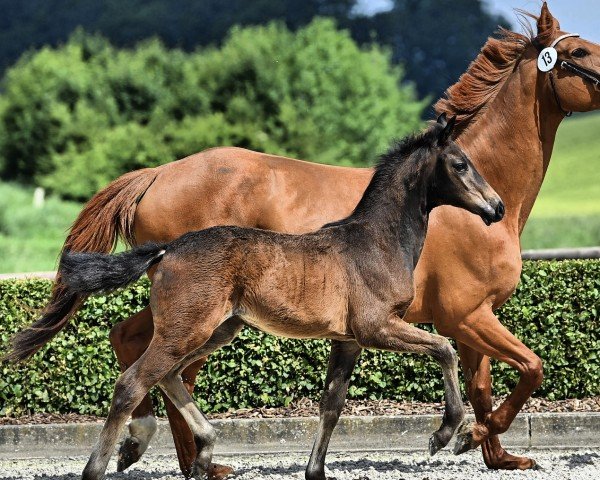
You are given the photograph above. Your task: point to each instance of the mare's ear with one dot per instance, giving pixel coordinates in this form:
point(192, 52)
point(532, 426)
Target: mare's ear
point(442, 120)
point(446, 133)
point(546, 23)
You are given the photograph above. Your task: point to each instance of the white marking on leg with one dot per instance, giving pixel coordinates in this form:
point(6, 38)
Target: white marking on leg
point(141, 430)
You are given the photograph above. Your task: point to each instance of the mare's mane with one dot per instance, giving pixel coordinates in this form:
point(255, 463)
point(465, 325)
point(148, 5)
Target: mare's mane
point(484, 78)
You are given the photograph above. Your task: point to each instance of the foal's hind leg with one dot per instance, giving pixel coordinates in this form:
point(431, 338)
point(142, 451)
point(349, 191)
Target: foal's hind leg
point(342, 359)
point(204, 433)
point(398, 336)
point(174, 339)
point(130, 388)
point(172, 385)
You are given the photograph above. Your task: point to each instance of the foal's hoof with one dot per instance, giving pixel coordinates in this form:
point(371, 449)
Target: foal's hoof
point(469, 437)
point(129, 453)
point(218, 472)
point(536, 466)
point(435, 444)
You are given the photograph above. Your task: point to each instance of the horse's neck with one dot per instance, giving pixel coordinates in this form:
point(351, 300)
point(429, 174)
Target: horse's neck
point(511, 142)
point(395, 218)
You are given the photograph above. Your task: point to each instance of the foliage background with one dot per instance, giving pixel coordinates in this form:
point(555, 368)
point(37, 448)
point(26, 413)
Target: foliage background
point(555, 311)
point(435, 38)
point(74, 118)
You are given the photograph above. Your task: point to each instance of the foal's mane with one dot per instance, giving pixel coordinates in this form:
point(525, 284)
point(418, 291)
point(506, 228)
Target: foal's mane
point(404, 157)
point(484, 78)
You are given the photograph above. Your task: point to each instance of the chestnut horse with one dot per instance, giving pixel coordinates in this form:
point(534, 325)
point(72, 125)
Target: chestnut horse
point(508, 114)
point(350, 281)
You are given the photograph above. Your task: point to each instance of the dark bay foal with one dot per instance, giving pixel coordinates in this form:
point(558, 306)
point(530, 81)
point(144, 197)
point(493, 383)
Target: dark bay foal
point(351, 282)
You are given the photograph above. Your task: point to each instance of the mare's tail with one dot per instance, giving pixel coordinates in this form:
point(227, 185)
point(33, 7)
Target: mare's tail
point(106, 217)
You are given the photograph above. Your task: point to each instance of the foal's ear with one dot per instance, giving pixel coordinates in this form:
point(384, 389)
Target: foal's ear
point(442, 120)
point(446, 133)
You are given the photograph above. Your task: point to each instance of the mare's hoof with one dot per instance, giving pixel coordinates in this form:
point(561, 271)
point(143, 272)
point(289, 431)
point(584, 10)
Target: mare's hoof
point(435, 444)
point(219, 472)
point(464, 438)
point(213, 472)
point(129, 453)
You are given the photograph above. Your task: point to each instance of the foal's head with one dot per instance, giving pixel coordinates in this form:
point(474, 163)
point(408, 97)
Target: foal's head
point(456, 181)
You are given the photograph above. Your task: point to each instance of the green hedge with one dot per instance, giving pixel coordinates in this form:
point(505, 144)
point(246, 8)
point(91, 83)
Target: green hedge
point(554, 311)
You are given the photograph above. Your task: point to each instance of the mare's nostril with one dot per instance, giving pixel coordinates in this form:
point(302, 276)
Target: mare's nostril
point(500, 210)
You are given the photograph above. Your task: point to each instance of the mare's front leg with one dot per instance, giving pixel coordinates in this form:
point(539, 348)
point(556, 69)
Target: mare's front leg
point(342, 359)
point(483, 332)
point(476, 368)
point(398, 336)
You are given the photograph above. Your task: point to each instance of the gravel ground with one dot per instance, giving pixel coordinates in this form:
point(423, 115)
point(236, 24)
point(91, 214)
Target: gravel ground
point(575, 465)
point(308, 408)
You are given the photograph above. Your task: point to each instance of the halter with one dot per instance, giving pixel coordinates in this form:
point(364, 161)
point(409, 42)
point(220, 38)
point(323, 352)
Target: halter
point(547, 60)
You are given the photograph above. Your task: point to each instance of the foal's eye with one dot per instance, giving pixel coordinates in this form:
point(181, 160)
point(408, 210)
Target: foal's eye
point(579, 53)
point(460, 167)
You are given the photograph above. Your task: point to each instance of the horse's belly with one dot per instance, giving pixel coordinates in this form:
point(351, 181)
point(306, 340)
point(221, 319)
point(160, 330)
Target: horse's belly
point(294, 322)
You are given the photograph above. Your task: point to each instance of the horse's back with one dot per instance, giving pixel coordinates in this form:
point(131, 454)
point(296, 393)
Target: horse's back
point(234, 186)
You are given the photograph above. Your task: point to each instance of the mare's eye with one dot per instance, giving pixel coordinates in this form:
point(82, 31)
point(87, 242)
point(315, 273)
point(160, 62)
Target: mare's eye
point(579, 53)
point(460, 167)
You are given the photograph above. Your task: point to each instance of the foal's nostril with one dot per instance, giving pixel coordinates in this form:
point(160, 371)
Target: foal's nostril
point(500, 210)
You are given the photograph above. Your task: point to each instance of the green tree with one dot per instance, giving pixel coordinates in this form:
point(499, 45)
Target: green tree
point(73, 118)
point(434, 39)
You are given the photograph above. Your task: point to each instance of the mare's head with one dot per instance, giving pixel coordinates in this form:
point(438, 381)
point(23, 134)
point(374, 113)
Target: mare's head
point(570, 64)
point(565, 69)
point(455, 181)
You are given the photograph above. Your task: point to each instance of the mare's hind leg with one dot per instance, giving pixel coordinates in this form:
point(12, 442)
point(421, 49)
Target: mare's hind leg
point(342, 359)
point(129, 339)
point(398, 336)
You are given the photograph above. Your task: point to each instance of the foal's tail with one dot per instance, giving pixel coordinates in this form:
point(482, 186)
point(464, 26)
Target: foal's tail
point(106, 217)
point(91, 273)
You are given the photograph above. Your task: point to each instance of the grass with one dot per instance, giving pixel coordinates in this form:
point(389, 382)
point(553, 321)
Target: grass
point(567, 211)
point(572, 184)
point(566, 214)
point(30, 237)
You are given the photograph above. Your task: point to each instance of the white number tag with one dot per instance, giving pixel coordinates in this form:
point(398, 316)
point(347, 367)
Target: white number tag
point(547, 59)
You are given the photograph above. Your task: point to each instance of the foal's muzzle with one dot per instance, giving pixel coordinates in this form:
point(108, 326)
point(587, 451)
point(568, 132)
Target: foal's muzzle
point(493, 211)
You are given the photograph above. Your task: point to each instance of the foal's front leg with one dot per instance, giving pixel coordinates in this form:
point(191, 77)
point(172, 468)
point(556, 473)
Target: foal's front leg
point(398, 336)
point(342, 359)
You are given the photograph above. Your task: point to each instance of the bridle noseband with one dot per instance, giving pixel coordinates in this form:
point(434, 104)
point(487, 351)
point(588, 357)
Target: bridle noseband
point(548, 57)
